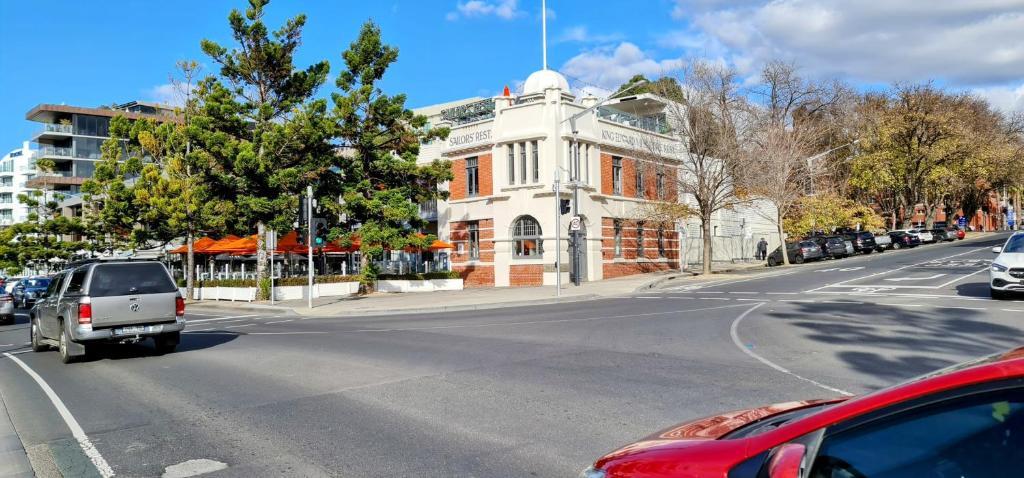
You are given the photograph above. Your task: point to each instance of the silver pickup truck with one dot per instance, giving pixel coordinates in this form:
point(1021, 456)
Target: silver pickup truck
point(108, 301)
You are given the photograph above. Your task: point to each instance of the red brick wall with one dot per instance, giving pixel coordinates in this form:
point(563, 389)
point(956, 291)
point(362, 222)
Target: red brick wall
point(606, 174)
point(526, 275)
point(629, 177)
point(485, 174)
point(627, 263)
point(479, 272)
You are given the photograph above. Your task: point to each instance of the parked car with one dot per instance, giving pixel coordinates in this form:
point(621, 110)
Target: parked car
point(863, 241)
point(831, 246)
point(6, 308)
point(882, 241)
point(943, 234)
point(1006, 275)
point(798, 252)
point(108, 301)
point(10, 284)
point(903, 239)
point(962, 421)
point(960, 233)
point(28, 289)
point(849, 247)
point(923, 235)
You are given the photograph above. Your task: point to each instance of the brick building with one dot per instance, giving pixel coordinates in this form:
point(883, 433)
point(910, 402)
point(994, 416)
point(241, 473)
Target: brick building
point(505, 153)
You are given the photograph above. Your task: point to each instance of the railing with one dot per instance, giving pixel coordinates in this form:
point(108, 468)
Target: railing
point(410, 267)
point(55, 128)
point(655, 124)
point(428, 210)
point(45, 151)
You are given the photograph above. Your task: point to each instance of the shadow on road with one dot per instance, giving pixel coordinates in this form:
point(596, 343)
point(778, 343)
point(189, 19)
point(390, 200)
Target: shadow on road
point(896, 343)
point(189, 342)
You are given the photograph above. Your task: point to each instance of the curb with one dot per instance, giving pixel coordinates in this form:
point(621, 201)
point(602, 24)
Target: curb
point(14, 462)
point(457, 308)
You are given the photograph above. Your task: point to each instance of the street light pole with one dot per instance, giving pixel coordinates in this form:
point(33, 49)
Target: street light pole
point(309, 242)
point(558, 233)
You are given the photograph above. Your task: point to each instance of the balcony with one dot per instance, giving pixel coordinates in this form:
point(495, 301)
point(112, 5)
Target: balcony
point(55, 178)
point(654, 124)
point(428, 210)
point(53, 131)
point(47, 151)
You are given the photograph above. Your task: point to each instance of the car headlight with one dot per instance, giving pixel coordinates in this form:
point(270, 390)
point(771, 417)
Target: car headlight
point(592, 472)
point(998, 267)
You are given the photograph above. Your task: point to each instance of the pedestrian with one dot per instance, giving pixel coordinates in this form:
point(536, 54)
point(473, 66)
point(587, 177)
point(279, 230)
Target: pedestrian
point(762, 249)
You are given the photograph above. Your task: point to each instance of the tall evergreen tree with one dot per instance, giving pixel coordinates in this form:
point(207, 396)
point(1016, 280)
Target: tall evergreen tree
point(265, 134)
point(381, 182)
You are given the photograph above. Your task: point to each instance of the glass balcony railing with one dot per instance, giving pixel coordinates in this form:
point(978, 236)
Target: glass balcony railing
point(45, 151)
point(428, 210)
point(55, 128)
point(655, 124)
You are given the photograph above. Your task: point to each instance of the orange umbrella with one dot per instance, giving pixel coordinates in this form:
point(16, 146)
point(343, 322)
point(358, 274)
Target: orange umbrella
point(439, 244)
point(246, 245)
point(198, 247)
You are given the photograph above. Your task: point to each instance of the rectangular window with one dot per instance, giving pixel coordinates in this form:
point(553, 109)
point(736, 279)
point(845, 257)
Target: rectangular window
point(574, 161)
point(522, 163)
point(586, 164)
point(511, 164)
point(661, 185)
point(639, 240)
point(661, 242)
point(474, 240)
point(77, 282)
point(616, 175)
point(536, 161)
point(112, 280)
point(472, 177)
point(618, 238)
point(639, 180)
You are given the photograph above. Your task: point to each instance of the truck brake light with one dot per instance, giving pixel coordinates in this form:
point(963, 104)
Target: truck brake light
point(179, 307)
point(84, 313)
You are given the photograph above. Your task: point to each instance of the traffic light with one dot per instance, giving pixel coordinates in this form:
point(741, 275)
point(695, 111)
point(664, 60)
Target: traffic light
point(565, 206)
point(300, 235)
point(303, 212)
point(320, 235)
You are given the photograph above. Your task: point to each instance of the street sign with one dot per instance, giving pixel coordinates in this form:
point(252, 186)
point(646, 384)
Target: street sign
point(962, 222)
point(574, 223)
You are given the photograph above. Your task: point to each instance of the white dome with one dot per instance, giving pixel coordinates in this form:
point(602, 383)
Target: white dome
point(544, 79)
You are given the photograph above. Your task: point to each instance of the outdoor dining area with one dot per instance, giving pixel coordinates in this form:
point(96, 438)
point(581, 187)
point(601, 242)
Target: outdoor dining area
point(233, 257)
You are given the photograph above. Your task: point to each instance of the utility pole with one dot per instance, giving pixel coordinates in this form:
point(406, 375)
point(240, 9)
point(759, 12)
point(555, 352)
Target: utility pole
point(309, 242)
point(575, 185)
point(558, 233)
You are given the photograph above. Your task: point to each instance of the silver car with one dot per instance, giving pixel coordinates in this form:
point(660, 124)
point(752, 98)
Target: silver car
point(108, 301)
point(6, 308)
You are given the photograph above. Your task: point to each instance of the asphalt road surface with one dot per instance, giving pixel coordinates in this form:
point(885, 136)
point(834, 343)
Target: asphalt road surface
point(530, 391)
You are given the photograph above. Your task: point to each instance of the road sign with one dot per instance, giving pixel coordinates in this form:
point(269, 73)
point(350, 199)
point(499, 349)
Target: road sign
point(962, 222)
point(574, 223)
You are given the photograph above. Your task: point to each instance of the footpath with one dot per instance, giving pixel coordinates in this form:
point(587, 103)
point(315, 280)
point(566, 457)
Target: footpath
point(475, 299)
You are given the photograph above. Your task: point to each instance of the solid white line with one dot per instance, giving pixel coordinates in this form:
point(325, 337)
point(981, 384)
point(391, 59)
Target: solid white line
point(220, 318)
point(284, 333)
point(782, 293)
point(280, 321)
point(958, 279)
point(90, 451)
point(742, 292)
point(1012, 310)
point(708, 292)
point(733, 331)
point(960, 308)
point(896, 269)
point(237, 326)
point(637, 297)
point(542, 322)
point(752, 300)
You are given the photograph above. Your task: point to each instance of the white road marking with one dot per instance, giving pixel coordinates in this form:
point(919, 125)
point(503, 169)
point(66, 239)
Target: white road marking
point(640, 297)
point(708, 292)
point(284, 333)
point(193, 468)
point(220, 318)
point(88, 448)
point(958, 279)
point(542, 322)
point(902, 279)
point(896, 269)
point(734, 332)
point(808, 301)
point(752, 300)
point(280, 321)
point(743, 292)
point(960, 308)
point(237, 326)
point(1012, 310)
point(782, 293)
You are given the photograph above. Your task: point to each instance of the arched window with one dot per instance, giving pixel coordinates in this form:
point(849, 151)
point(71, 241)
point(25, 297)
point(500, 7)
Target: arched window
point(526, 241)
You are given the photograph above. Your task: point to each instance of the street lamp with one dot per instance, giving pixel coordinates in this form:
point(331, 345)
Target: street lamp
point(574, 172)
point(810, 162)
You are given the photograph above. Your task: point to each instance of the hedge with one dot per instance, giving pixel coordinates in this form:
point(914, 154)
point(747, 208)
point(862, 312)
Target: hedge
point(287, 281)
point(426, 276)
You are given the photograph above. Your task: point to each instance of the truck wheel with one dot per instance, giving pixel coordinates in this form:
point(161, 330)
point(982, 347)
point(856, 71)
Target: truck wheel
point(166, 343)
point(37, 338)
point(65, 355)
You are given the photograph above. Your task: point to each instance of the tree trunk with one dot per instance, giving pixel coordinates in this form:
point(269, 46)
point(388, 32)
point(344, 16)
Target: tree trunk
point(706, 253)
point(190, 266)
point(1017, 208)
point(261, 252)
point(782, 240)
point(364, 267)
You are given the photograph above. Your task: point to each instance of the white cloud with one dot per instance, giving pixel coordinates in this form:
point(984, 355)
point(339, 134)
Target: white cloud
point(504, 9)
point(166, 94)
point(581, 34)
point(608, 67)
point(976, 43)
point(1008, 99)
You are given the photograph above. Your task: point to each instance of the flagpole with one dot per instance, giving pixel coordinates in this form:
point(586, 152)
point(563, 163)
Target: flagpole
point(544, 30)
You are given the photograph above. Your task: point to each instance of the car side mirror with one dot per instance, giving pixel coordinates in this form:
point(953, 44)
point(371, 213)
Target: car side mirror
point(787, 461)
point(997, 249)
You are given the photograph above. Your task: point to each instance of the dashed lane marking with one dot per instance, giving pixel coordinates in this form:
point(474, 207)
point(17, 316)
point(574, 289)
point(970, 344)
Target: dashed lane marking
point(782, 293)
point(280, 321)
point(1012, 310)
point(959, 308)
point(734, 332)
point(102, 467)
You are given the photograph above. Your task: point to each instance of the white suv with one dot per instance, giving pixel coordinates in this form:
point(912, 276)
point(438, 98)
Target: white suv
point(1007, 272)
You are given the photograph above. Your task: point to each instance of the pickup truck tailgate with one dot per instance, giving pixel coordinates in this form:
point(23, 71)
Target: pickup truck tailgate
point(133, 293)
point(132, 309)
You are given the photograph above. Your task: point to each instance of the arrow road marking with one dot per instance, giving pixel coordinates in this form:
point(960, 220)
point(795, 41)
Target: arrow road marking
point(902, 279)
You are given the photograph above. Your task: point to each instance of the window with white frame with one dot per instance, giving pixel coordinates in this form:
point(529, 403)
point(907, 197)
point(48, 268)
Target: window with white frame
point(522, 163)
point(526, 238)
point(661, 241)
point(616, 175)
point(639, 239)
point(472, 177)
point(661, 185)
point(639, 179)
point(617, 251)
point(534, 150)
point(511, 164)
point(474, 240)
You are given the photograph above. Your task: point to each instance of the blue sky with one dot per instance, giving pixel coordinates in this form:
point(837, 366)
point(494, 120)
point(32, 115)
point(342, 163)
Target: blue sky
point(93, 53)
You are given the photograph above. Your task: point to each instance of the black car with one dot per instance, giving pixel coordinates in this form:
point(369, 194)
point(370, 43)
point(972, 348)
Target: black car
point(863, 241)
point(901, 240)
point(28, 290)
point(798, 252)
point(831, 246)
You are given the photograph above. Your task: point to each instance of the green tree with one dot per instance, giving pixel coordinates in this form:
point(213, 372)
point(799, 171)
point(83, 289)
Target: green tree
point(259, 124)
point(109, 205)
point(39, 242)
point(381, 184)
point(665, 86)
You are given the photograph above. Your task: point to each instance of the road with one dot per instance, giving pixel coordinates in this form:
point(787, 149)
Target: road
point(530, 391)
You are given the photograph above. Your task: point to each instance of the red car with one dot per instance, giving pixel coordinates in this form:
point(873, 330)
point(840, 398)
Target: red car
point(963, 421)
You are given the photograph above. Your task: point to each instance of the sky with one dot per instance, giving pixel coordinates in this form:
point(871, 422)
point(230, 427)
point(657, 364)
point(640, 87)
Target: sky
point(98, 53)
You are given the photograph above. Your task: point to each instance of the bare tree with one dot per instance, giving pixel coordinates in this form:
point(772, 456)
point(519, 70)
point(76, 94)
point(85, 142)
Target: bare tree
point(704, 118)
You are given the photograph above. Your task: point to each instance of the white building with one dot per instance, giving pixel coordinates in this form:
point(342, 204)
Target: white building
point(506, 152)
point(16, 168)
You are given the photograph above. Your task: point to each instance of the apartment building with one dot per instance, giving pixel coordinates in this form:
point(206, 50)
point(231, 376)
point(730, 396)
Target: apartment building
point(17, 168)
